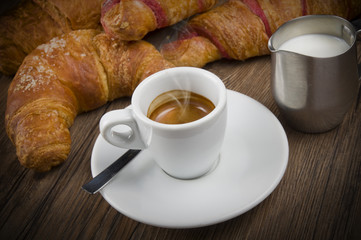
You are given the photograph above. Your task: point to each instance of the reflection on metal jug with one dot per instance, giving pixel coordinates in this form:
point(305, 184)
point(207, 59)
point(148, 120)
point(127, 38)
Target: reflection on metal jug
point(314, 91)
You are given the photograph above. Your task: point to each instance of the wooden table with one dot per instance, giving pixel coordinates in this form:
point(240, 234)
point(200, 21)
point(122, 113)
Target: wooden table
point(319, 196)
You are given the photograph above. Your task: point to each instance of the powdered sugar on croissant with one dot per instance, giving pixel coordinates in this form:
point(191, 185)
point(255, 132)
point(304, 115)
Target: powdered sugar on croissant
point(74, 73)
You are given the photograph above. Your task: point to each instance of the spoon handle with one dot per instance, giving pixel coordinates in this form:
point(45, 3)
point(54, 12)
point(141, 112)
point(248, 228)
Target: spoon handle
point(107, 174)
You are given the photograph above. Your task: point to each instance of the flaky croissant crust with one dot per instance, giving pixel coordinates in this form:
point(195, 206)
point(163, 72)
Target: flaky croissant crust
point(73, 73)
point(133, 19)
point(240, 29)
point(34, 22)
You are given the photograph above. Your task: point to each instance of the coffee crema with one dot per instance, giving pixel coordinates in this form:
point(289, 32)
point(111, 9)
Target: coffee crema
point(178, 107)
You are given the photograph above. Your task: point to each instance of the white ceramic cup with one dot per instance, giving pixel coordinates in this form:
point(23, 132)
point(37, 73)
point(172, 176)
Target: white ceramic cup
point(183, 151)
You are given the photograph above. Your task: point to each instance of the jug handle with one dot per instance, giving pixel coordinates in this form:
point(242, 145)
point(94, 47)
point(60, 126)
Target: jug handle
point(357, 24)
point(358, 38)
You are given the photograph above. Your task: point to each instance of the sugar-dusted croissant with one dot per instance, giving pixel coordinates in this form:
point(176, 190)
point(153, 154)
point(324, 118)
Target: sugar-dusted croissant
point(133, 19)
point(241, 29)
point(73, 73)
point(34, 22)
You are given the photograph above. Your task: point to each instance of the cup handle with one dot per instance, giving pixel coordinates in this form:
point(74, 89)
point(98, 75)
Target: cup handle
point(129, 137)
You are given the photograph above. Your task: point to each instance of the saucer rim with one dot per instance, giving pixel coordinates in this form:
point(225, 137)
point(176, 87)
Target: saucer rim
point(237, 211)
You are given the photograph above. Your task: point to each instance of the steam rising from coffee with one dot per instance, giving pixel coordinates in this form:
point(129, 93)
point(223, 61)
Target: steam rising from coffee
point(178, 107)
point(182, 102)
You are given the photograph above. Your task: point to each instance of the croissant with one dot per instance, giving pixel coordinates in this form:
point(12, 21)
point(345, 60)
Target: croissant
point(34, 22)
point(133, 19)
point(73, 73)
point(241, 29)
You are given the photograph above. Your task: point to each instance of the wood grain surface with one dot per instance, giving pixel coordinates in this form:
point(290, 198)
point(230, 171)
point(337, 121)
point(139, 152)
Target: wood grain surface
point(319, 196)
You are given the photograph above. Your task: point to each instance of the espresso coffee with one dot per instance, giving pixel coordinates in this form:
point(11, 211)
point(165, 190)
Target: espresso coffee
point(179, 106)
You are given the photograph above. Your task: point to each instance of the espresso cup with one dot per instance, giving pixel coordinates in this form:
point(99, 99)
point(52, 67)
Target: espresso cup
point(183, 150)
point(314, 87)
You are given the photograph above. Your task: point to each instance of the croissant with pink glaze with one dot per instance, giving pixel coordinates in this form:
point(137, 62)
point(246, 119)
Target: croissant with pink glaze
point(240, 29)
point(133, 19)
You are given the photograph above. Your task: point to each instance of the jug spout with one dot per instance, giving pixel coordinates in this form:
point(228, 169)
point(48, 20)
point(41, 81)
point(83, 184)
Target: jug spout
point(271, 47)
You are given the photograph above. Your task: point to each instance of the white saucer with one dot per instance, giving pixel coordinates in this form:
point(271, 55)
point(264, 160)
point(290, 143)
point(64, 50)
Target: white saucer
point(252, 163)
